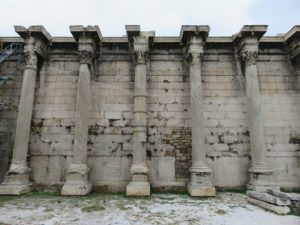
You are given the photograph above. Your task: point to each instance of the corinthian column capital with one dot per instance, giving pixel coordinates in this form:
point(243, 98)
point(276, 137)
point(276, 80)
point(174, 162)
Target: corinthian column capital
point(141, 57)
point(249, 57)
point(86, 57)
point(31, 58)
point(194, 57)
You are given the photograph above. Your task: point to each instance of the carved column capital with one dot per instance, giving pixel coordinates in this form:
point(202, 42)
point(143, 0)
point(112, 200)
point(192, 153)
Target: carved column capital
point(249, 57)
point(86, 57)
point(141, 57)
point(194, 57)
point(31, 58)
point(195, 50)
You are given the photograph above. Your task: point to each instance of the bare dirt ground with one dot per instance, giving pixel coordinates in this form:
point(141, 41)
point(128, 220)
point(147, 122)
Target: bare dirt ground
point(49, 209)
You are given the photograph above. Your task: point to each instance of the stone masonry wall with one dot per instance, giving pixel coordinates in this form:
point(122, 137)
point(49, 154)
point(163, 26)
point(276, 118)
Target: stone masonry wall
point(168, 117)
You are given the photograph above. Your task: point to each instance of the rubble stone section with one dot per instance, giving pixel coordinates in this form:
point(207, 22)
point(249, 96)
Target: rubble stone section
point(167, 150)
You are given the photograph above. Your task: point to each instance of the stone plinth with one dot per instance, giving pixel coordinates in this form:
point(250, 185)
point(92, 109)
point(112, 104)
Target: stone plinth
point(77, 181)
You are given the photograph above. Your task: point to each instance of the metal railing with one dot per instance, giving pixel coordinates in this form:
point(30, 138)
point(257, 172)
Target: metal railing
point(9, 50)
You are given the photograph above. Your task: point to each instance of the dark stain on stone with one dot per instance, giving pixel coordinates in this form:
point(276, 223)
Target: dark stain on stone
point(295, 140)
point(149, 153)
point(69, 128)
point(220, 137)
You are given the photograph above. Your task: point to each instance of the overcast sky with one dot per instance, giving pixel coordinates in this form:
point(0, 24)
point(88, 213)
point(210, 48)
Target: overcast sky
point(225, 17)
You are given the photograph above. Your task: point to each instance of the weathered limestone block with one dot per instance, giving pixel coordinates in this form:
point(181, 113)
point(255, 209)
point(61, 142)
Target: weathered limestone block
point(282, 210)
point(269, 198)
point(290, 196)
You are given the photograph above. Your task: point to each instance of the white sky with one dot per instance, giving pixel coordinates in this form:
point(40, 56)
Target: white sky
point(225, 17)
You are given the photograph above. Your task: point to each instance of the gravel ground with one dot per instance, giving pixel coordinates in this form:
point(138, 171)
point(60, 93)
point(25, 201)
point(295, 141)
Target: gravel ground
point(49, 209)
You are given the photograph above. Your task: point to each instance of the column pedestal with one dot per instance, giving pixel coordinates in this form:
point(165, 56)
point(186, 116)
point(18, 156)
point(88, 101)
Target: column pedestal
point(261, 179)
point(77, 181)
point(139, 185)
point(200, 184)
point(16, 181)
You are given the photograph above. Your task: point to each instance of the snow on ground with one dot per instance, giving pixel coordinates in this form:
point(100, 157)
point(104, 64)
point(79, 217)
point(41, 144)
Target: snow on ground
point(49, 209)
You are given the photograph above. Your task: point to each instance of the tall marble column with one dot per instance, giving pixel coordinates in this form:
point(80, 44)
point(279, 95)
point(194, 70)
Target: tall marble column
point(200, 184)
point(260, 173)
point(139, 184)
point(17, 181)
point(77, 181)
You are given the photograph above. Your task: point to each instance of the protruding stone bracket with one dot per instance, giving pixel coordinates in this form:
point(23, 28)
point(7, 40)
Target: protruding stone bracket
point(139, 43)
point(200, 32)
point(246, 42)
point(36, 39)
point(292, 42)
point(89, 41)
point(193, 38)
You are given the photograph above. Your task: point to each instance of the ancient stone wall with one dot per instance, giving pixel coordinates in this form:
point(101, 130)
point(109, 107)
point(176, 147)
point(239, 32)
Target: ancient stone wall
point(169, 129)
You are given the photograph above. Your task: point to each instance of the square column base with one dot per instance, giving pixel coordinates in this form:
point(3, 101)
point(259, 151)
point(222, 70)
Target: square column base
point(201, 191)
point(76, 189)
point(261, 180)
point(138, 189)
point(77, 181)
point(16, 180)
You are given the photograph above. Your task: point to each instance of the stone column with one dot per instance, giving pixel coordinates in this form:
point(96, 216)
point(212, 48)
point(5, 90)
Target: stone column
point(17, 181)
point(200, 184)
point(247, 42)
point(260, 172)
point(139, 185)
point(77, 181)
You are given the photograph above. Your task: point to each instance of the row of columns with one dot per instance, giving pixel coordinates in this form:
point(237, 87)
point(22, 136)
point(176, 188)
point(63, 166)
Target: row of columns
point(88, 38)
